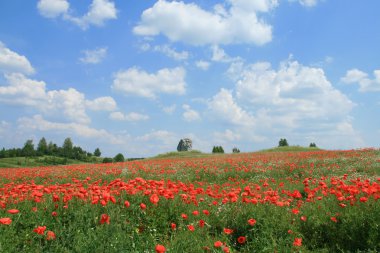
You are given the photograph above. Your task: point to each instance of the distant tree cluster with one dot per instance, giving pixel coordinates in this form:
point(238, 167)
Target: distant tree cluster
point(313, 145)
point(68, 150)
point(283, 143)
point(235, 150)
point(217, 149)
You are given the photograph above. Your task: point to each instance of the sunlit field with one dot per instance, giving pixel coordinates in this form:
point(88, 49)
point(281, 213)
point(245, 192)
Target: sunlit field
point(319, 201)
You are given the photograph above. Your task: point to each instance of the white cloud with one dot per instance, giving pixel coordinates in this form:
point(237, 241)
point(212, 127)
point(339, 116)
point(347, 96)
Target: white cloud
point(294, 89)
point(138, 82)
point(37, 122)
point(52, 8)
point(190, 114)
point(365, 84)
point(94, 56)
point(133, 116)
point(307, 3)
point(190, 24)
point(223, 107)
point(203, 65)
point(13, 62)
point(169, 109)
point(170, 52)
point(99, 12)
point(70, 103)
point(227, 136)
point(166, 138)
point(101, 104)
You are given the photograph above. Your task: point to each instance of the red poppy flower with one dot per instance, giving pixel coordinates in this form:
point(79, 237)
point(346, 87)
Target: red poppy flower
point(127, 204)
point(54, 214)
point(228, 231)
point(195, 213)
point(303, 218)
point(50, 235)
point(334, 219)
point(160, 248)
point(142, 206)
point(154, 199)
point(5, 221)
point(105, 219)
point(13, 211)
point(297, 242)
point(241, 239)
point(226, 250)
point(191, 228)
point(218, 244)
point(206, 212)
point(251, 222)
point(201, 223)
point(184, 216)
point(173, 226)
point(295, 211)
point(40, 230)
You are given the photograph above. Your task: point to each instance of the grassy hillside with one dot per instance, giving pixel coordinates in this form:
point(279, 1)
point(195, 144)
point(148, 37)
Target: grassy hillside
point(290, 149)
point(16, 162)
point(176, 154)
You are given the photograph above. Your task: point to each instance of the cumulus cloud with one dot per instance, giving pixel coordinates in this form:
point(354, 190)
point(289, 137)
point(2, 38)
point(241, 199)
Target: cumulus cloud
point(98, 13)
point(203, 65)
point(365, 83)
point(138, 82)
point(133, 116)
point(94, 56)
point(227, 136)
point(169, 109)
point(172, 53)
point(223, 107)
point(37, 122)
point(11, 61)
point(21, 90)
point(191, 24)
point(190, 114)
point(102, 104)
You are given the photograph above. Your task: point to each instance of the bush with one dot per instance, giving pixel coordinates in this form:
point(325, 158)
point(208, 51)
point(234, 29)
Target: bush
point(235, 150)
point(118, 158)
point(107, 160)
point(283, 143)
point(217, 149)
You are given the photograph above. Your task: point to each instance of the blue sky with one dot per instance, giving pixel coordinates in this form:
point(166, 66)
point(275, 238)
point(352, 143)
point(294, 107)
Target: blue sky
point(137, 76)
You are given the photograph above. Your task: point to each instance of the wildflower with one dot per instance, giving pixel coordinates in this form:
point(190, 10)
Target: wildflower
point(160, 248)
point(13, 211)
point(40, 230)
point(251, 222)
point(191, 228)
point(127, 204)
point(228, 231)
point(184, 216)
point(241, 239)
point(295, 211)
point(218, 244)
point(334, 219)
point(201, 223)
point(154, 199)
point(297, 242)
point(173, 226)
point(195, 213)
point(50, 235)
point(5, 221)
point(105, 219)
point(206, 212)
point(226, 250)
point(54, 214)
point(303, 218)
point(142, 206)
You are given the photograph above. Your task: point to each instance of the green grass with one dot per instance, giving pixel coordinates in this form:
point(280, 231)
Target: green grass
point(183, 154)
point(19, 162)
point(290, 149)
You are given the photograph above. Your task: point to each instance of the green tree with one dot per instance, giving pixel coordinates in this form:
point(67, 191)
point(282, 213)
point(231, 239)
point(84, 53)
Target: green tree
point(118, 158)
point(28, 149)
point(312, 145)
point(97, 152)
point(235, 150)
point(283, 143)
point(52, 149)
point(3, 153)
point(67, 148)
point(42, 147)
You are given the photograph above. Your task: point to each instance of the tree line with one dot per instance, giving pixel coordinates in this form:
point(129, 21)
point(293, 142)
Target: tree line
point(67, 150)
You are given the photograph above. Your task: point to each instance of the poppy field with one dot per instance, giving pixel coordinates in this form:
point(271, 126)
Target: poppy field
point(318, 201)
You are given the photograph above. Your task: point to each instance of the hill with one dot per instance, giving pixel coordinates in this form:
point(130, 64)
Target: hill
point(17, 162)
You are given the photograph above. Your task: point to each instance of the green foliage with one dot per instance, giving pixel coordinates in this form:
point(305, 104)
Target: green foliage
point(283, 143)
point(235, 150)
point(218, 149)
point(312, 145)
point(42, 147)
point(118, 158)
point(97, 152)
point(107, 160)
point(28, 149)
point(67, 148)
